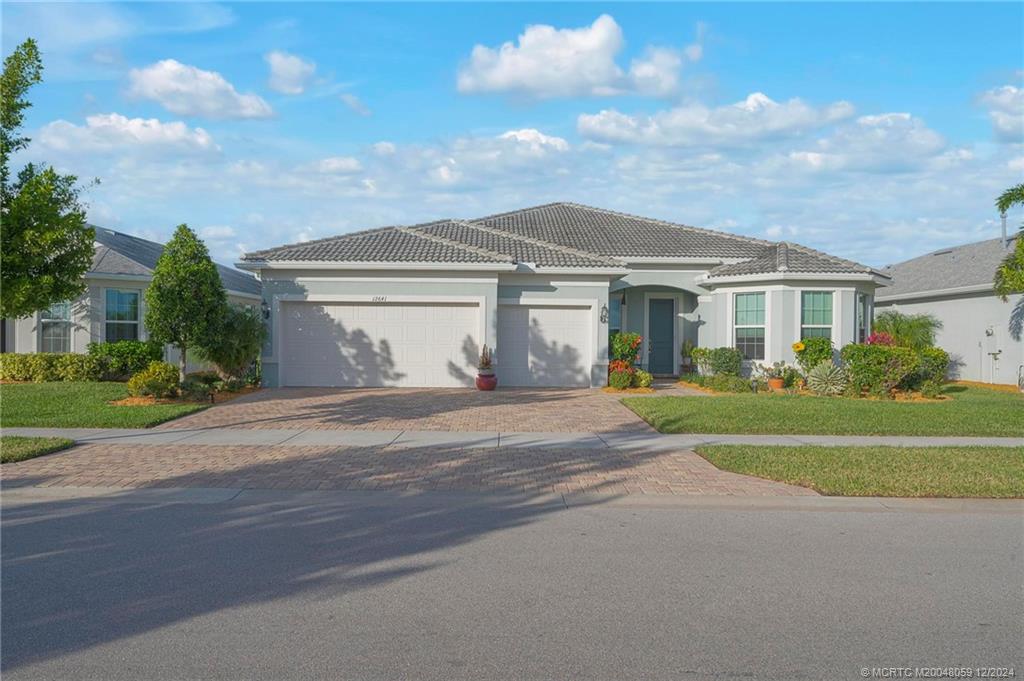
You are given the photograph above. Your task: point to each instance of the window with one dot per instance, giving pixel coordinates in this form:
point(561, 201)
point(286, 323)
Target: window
point(615, 306)
point(748, 321)
point(815, 314)
point(863, 320)
point(55, 331)
point(122, 315)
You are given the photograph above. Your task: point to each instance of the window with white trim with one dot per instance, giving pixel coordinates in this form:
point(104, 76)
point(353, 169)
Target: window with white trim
point(615, 307)
point(815, 314)
point(55, 328)
point(748, 324)
point(863, 317)
point(121, 315)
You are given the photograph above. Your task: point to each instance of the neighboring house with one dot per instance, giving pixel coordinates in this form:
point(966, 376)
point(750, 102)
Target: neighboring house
point(543, 287)
point(955, 285)
point(113, 306)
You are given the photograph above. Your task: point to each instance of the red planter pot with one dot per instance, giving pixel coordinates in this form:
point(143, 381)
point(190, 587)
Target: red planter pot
point(486, 382)
point(777, 384)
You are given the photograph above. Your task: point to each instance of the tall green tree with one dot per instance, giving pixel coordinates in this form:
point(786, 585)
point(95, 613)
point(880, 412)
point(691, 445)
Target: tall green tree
point(45, 244)
point(1009, 276)
point(186, 302)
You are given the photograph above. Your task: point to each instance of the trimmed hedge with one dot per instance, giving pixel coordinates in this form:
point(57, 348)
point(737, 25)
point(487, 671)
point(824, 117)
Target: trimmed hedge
point(127, 357)
point(725, 361)
point(931, 373)
point(878, 369)
point(159, 379)
point(43, 367)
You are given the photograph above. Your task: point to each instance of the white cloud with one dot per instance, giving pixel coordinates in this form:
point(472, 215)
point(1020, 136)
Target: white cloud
point(551, 62)
point(289, 74)
point(354, 104)
point(384, 148)
point(1006, 111)
point(188, 91)
point(756, 117)
point(109, 132)
point(535, 141)
point(217, 232)
point(339, 165)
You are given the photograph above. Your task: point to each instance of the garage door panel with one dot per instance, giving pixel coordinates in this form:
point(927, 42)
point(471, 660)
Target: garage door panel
point(544, 345)
point(378, 344)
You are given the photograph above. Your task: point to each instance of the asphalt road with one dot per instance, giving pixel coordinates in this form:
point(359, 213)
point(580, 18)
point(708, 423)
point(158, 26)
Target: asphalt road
point(370, 586)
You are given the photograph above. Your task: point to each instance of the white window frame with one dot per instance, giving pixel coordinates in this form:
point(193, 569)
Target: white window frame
point(770, 293)
point(141, 334)
point(763, 325)
point(67, 323)
point(833, 329)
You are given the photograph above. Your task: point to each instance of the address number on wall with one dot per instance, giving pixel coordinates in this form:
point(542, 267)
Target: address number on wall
point(379, 299)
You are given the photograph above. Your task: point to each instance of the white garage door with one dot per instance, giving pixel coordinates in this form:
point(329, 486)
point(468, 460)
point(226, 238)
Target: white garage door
point(374, 344)
point(544, 346)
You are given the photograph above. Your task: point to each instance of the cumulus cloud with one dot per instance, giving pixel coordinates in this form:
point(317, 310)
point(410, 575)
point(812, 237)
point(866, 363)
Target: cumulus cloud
point(1006, 111)
point(188, 91)
point(339, 165)
point(354, 104)
point(110, 132)
point(552, 62)
point(756, 117)
point(289, 74)
point(384, 148)
point(535, 141)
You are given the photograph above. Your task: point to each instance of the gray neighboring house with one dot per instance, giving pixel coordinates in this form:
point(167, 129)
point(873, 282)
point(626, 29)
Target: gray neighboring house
point(113, 306)
point(543, 287)
point(955, 285)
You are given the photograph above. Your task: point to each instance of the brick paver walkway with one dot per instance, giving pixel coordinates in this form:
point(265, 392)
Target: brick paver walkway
point(428, 468)
point(456, 409)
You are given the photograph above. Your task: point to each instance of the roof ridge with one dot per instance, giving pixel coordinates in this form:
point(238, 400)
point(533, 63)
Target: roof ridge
point(828, 256)
point(416, 231)
point(540, 242)
point(348, 235)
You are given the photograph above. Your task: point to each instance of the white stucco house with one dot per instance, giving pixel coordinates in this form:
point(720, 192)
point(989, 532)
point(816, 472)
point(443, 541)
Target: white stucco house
point(955, 285)
point(113, 306)
point(543, 287)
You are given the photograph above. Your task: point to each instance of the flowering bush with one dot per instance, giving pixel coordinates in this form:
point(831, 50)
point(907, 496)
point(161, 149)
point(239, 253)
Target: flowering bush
point(880, 338)
point(626, 346)
point(620, 366)
point(620, 380)
point(799, 346)
point(812, 352)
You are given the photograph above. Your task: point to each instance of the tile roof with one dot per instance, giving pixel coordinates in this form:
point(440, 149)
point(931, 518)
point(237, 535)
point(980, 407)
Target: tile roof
point(121, 254)
point(968, 265)
point(789, 257)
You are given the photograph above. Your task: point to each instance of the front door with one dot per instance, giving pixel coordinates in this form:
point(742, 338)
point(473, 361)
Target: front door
point(660, 348)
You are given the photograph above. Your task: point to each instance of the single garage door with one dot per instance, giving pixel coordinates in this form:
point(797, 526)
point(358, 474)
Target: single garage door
point(544, 345)
point(379, 344)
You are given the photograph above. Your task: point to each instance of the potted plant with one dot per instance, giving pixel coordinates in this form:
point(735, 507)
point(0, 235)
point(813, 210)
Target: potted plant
point(485, 378)
point(775, 375)
point(686, 356)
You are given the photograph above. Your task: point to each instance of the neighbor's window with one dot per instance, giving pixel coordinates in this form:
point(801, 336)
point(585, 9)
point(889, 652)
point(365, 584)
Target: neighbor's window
point(614, 314)
point(55, 332)
point(122, 315)
point(816, 314)
point(863, 321)
point(748, 322)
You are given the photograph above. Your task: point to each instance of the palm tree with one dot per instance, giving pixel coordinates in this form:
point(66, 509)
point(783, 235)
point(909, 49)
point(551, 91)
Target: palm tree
point(909, 330)
point(1009, 277)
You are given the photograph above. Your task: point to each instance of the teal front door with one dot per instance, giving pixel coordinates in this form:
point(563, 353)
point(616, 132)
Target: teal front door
point(660, 348)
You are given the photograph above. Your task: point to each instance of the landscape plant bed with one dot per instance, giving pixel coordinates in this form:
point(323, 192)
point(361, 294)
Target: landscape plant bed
point(628, 391)
point(149, 400)
point(970, 411)
point(82, 405)
point(898, 396)
point(953, 472)
point(15, 448)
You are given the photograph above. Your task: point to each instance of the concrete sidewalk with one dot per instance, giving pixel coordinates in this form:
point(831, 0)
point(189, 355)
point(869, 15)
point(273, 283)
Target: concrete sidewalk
point(435, 438)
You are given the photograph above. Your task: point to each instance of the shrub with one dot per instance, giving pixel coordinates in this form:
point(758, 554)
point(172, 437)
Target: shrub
point(880, 338)
point(727, 383)
point(878, 369)
point(240, 340)
point(620, 365)
point(810, 352)
point(42, 367)
point(702, 358)
point(206, 377)
point(642, 379)
point(195, 389)
point(126, 357)
point(725, 361)
point(827, 379)
point(931, 374)
point(231, 385)
point(620, 380)
point(159, 379)
point(626, 346)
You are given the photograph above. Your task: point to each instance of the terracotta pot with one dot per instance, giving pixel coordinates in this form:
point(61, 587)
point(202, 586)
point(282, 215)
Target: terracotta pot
point(486, 382)
point(776, 383)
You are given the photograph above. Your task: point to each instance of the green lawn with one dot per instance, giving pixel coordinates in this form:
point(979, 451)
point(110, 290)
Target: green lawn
point(971, 411)
point(989, 472)
point(80, 405)
point(14, 448)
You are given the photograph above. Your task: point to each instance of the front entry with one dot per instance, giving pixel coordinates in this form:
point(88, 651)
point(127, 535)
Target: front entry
point(660, 345)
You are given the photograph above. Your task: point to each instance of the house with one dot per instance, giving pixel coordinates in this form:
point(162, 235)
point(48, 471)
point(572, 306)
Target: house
point(113, 306)
point(955, 285)
point(543, 287)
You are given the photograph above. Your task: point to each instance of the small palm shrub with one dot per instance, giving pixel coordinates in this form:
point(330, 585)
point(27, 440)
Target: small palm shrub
point(642, 379)
point(827, 379)
point(915, 331)
point(159, 379)
point(238, 344)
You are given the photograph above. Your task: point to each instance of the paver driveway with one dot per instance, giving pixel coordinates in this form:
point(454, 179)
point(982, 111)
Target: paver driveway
point(453, 409)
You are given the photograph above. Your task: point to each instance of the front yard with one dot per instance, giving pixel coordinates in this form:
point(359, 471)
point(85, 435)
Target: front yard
point(14, 448)
point(983, 472)
point(970, 411)
point(81, 405)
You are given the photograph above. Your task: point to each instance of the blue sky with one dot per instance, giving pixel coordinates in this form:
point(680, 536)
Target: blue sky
point(873, 131)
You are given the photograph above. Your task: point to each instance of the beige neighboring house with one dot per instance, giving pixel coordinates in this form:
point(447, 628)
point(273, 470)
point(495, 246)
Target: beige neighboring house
point(955, 285)
point(113, 307)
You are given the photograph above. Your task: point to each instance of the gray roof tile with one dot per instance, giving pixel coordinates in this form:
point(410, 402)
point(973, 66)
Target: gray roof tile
point(967, 265)
point(789, 257)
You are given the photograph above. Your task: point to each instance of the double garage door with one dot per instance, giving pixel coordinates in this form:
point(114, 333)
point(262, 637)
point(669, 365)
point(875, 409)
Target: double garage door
point(430, 344)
